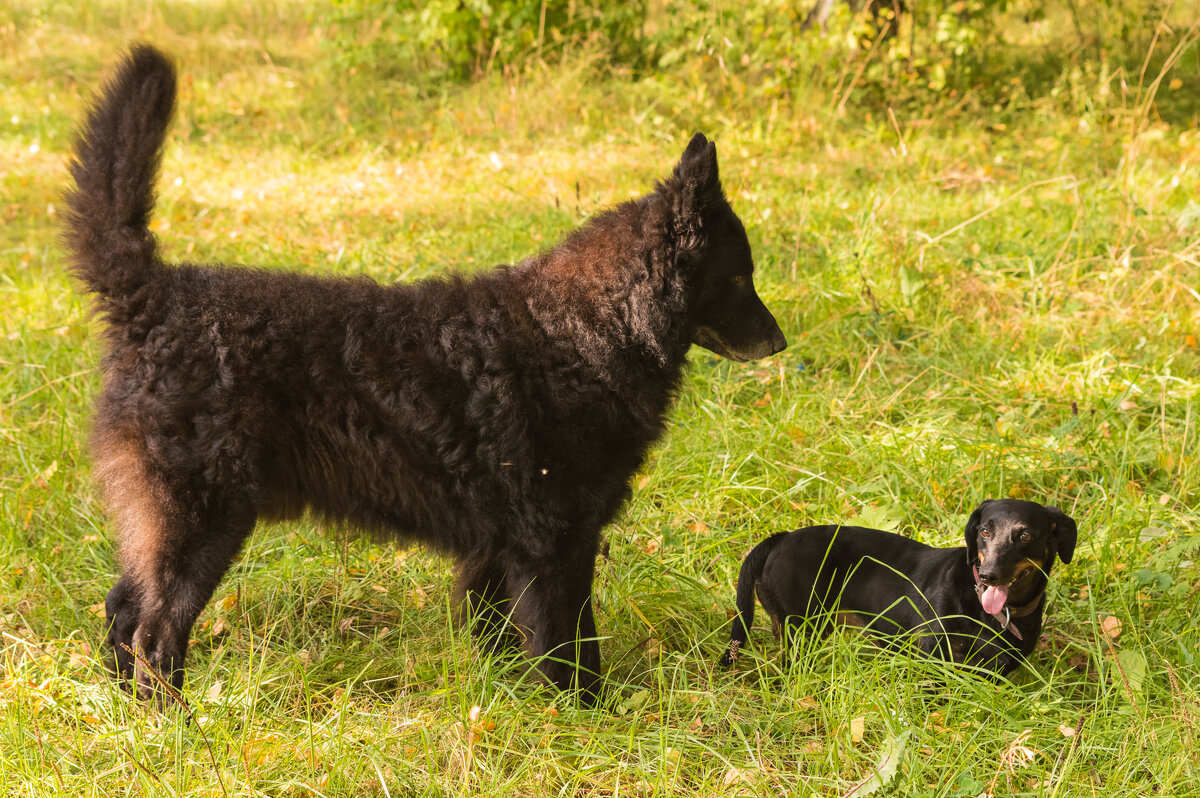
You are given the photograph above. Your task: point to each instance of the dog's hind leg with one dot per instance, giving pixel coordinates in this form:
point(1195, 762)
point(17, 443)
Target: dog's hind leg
point(176, 584)
point(481, 599)
point(553, 607)
point(121, 608)
point(175, 546)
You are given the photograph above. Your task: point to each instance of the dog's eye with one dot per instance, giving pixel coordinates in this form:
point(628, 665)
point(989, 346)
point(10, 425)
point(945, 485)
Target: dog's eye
point(741, 280)
point(1026, 537)
point(985, 533)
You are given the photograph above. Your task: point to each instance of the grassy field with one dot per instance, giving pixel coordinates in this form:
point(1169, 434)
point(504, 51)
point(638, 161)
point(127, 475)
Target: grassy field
point(986, 294)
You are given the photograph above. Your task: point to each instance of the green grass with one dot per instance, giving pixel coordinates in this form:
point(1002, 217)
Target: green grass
point(982, 298)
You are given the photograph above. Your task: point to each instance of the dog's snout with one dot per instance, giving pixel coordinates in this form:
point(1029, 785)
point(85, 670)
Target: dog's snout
point(778, 341)
point(989, 577)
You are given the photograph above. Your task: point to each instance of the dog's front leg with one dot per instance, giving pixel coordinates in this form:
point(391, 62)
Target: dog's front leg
point(481, 599)
point(552, 606)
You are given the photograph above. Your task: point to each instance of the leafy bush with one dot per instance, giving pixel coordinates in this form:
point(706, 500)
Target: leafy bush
point(467, 38)
point(993, 53)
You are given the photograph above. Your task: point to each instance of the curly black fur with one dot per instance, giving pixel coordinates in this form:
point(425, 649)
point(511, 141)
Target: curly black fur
point(497, 417)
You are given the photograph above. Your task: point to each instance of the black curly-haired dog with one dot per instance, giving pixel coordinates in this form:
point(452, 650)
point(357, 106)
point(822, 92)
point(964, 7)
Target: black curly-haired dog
point(497, 417)
point(979, 604)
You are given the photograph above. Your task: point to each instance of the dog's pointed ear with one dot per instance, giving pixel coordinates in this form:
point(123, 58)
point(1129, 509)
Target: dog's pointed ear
point(698, 171)
point(972, 532)
point(1062, 527)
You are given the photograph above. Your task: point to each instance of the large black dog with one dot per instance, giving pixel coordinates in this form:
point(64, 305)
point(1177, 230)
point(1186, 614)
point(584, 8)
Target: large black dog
point(981, 604)
point(497, 417)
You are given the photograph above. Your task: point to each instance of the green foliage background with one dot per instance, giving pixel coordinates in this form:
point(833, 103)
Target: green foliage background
point(980, 235)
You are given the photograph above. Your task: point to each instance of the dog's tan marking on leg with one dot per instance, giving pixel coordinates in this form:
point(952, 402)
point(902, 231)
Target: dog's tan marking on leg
point(850, 620)
point(135, 498)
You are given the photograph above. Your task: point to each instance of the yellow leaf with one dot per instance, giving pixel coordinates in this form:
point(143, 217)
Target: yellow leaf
point(737, 776)
point(858, 727)
point(43, 479)
point(229, 602)
point(808, 702)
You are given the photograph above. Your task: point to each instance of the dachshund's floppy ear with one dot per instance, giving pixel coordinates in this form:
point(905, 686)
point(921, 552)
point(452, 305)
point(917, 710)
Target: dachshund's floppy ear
point(972, 533)
point(1063, 528)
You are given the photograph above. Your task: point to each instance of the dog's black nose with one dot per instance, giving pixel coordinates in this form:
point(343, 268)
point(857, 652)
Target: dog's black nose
point(988, 577)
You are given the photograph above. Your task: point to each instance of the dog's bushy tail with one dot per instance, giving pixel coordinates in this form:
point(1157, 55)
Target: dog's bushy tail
point(117, 154)
point(748, 576)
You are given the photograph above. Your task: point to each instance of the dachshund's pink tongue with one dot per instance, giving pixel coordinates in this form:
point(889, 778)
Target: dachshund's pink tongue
point(993, 599)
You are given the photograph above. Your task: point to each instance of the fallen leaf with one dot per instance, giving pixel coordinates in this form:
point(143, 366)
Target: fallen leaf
point(808, 702)
point(257, 750)
point(214, 692)
point(481, 728)
point(1111, 625)
point(858, 727)
point(737, 775)
point(43, 479)
point(1066, 731)
point(643, 482)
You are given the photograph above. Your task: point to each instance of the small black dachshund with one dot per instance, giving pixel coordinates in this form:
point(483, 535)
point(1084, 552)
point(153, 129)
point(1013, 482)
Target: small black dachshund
point(980, 605)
